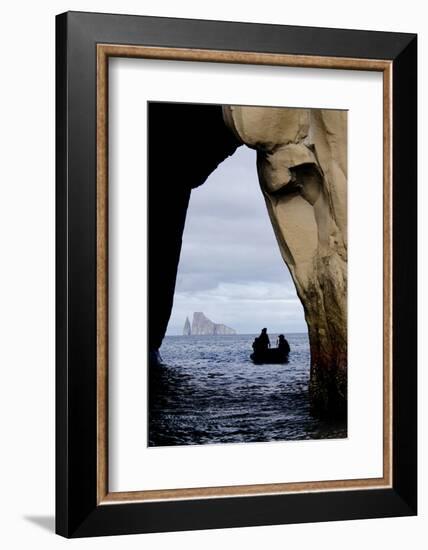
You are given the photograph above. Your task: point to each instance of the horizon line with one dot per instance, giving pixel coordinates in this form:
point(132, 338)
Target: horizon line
point(241, 333)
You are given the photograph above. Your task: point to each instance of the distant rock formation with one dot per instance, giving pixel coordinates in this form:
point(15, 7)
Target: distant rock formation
point(187, 331)
point(201, 325)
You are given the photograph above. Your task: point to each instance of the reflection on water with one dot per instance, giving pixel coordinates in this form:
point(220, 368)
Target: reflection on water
point(209, 391)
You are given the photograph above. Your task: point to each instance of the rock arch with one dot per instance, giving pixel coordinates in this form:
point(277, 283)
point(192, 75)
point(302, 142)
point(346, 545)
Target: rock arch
point(302, 169)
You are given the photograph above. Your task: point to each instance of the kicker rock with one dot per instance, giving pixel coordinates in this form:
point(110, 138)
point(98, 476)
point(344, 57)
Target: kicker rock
point(302, 169)
point(201, 325)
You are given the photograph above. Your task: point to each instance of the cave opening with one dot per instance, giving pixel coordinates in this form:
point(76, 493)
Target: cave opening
point(219, 274)
point(230, 267)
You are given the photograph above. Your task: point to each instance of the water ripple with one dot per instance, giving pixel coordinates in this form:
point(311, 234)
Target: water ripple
point(209, 391)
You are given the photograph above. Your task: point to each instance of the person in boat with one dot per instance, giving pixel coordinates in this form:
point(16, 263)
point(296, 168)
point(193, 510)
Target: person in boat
point(283, 344)
point(256, 345)
point(263, 340)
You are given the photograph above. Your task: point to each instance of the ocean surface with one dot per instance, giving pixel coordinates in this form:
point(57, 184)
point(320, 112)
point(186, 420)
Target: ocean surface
point(209, 391)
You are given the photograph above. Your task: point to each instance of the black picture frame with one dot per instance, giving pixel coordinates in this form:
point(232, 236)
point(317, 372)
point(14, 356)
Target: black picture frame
point(78, 513)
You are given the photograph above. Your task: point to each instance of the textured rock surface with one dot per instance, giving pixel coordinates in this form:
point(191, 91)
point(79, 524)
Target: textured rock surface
point(201, 325)
point(302, 168)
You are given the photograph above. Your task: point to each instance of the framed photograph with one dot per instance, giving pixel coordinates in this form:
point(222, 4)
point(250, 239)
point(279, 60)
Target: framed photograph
point(236, 274)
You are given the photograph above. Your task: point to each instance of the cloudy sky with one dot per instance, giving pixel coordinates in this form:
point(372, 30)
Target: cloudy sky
point(230, 266)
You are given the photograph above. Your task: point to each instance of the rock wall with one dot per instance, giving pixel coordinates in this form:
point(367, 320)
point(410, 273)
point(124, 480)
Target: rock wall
point(302, 169)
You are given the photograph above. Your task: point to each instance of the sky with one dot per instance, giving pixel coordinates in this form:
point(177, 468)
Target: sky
point(230, 266)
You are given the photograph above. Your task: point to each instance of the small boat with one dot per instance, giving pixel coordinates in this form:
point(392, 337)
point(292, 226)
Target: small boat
point(269, 356)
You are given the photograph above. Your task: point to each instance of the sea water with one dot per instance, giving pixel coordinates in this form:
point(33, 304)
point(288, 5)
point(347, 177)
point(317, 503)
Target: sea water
point(209, 391)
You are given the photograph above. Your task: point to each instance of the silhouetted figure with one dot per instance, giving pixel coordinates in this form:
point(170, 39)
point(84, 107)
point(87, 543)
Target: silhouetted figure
point(263, 340)
point(256, 345)
point(283, 344)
